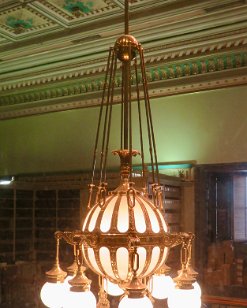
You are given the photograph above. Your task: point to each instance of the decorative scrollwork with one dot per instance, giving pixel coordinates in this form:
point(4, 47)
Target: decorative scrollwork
point(131, 197)
point(71, 237)
point(101, 194)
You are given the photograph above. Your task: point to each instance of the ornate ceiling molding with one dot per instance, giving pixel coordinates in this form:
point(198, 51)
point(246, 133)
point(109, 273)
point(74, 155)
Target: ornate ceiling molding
point(193, 75)
point(188, 47)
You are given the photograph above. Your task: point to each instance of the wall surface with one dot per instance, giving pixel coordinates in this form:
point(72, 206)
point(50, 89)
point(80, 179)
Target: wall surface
point(209, 127)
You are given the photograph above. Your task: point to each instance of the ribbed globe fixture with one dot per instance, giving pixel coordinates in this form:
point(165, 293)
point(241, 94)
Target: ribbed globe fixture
point(118, 221)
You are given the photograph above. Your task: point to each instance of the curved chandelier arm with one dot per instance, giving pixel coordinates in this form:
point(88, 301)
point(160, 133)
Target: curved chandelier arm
point(175, 239)
point(71, 237)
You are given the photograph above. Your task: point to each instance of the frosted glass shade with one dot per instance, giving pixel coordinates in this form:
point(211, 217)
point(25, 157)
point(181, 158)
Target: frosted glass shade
point(66, 284)
point(197, 289)
point(112, 288)
point(52, 294)
point(143, 302)
point(179, 298)
point(80, 300)
point(161, 286)
point(113, 222)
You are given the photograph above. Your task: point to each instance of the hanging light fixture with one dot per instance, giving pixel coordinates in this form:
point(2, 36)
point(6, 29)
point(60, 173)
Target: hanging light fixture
point(161, 283)
point(187, 292)
point(124, 238)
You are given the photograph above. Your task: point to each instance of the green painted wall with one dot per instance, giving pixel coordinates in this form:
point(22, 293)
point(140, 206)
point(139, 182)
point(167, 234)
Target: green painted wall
point(209, 127)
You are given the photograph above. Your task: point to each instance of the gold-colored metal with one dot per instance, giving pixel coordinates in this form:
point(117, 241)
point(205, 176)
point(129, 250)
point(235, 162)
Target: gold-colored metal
point(101, 237)
point(135, 288)
point(103, 301)
point(72, 269)
point(79, 283)
point(189, 266)
point(157, 195)
point(125, 158)
point(126, 47)
point(163, 270)
point(56, 274)
point(184, 280)
point(90, 195)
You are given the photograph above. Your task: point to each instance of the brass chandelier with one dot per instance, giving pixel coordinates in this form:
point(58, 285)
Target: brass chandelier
point(124, 238)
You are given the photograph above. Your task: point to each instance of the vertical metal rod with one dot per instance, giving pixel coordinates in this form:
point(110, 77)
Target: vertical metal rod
point(103, 147)
point(125, 77)
point(140, 119)
point(130, 112)
point(150, 119)
point(122, 110)
point(144, 82)
point(112, 85)
point(57, 250)
point(126, 17)
point(100, 116)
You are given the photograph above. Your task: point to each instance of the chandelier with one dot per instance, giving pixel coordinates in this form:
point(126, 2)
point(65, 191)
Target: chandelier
point(124, 238)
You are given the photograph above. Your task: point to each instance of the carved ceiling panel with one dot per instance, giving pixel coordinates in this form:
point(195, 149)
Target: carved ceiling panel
point(22, 20)
point(53, 52)
point(73, 12)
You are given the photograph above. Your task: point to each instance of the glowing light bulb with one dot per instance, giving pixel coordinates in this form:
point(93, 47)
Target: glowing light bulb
point(179, 298)
point(112, 288)
point(161, 286)
point(143, 302)
point(52, 294)
point(80, 300)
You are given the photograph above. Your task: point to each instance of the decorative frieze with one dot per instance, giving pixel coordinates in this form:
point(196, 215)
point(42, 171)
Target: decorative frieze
point(81, 85)
point(64, 71)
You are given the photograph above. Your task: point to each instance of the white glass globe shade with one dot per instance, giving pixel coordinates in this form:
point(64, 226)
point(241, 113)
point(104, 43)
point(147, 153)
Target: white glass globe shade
point(112, 288)
point(197, 288)
point(66, 284)
point(161, 286)
point(184, 298)
point(52, 294)
point(143, 302)
point(80, 300)
point(115, 221)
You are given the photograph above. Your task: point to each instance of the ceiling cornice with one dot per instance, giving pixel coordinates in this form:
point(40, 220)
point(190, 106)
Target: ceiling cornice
point(188, 47)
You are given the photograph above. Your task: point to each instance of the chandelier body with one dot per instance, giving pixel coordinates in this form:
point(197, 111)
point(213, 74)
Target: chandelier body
point(124, 219)
point(124, 237)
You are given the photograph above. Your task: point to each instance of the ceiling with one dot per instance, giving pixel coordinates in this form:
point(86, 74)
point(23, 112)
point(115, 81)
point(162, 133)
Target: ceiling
point(53, 52)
